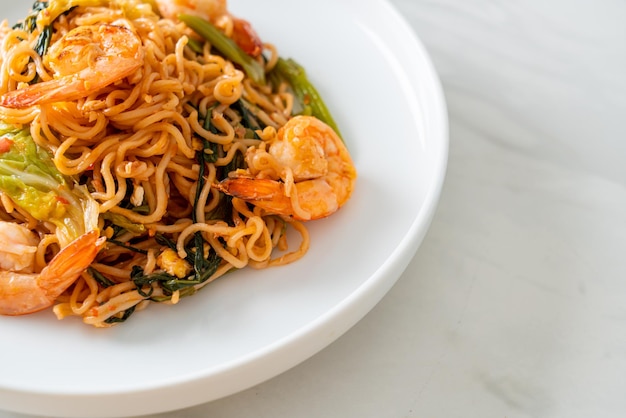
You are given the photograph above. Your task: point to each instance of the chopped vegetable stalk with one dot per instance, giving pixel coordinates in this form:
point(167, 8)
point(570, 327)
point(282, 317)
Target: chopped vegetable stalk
point(226, 46)
point(306, 93)
point(30, 178)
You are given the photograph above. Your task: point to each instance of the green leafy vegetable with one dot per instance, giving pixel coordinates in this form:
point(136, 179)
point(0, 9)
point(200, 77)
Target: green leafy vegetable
point(226, 46)
point(43, 41)
point(209, 152)
point(126, 246)
point(30, 178)
point(117, 319)
point(170, 283)
point(248, 119)
point(100, 278)
point(29, 24)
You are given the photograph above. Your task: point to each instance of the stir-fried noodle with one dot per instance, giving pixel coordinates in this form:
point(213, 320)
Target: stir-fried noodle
point(161, 143)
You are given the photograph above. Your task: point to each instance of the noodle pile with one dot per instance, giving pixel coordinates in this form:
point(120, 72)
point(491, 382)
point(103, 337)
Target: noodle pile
point(148, 148)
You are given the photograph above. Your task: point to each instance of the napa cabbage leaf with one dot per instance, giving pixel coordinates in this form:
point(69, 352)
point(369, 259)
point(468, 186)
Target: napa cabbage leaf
point(30, 178)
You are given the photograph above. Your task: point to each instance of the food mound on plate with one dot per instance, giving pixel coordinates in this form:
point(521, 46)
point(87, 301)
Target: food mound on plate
point(148, 148)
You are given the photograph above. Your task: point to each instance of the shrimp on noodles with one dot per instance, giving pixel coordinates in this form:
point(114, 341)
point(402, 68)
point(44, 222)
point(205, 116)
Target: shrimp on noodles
point(316, 172)
point(21, 290)
point(84, 60)
point(215, 11)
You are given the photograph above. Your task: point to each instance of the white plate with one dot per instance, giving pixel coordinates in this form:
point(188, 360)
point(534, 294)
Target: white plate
point(379, 82)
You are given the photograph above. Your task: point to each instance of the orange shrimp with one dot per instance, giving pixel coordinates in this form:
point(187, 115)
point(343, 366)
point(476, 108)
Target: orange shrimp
point(23, 292)
point(214, 10)
point(84, 60)
point(316, 175)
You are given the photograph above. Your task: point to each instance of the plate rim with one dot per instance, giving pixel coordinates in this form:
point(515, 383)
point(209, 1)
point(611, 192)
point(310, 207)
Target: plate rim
point(295, 347)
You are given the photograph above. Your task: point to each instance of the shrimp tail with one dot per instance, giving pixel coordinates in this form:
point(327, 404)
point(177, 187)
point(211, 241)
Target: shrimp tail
point(66, 88)
point(22, 294)
point(264, 193)
point(310, 199)
point(69, 263)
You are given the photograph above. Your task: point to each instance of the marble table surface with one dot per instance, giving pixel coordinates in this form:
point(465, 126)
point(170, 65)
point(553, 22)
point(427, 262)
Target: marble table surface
point(515, 304)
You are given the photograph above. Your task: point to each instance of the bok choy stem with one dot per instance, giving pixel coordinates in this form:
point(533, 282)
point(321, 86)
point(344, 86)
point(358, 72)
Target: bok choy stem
point(306, 93)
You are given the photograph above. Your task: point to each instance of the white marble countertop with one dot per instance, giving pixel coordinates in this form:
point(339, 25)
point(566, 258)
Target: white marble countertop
point(515, 304)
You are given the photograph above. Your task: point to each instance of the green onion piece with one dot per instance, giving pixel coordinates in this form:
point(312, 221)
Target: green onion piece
point(308, 96)
point(226, 46)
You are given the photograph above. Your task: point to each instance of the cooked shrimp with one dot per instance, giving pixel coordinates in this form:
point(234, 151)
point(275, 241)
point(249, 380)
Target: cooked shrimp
point(214, 11)
point(316, 172)
point(17, 248)
point(84, 60)
point(23, 292)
